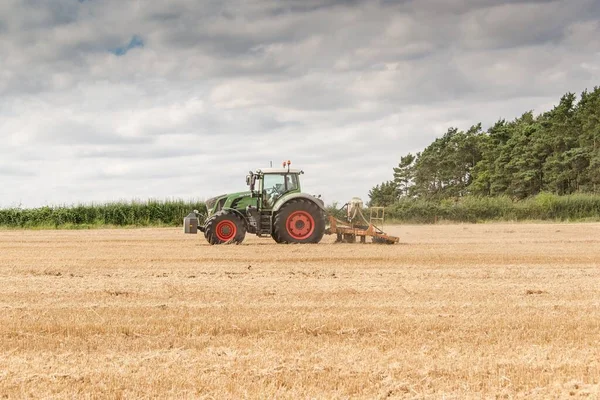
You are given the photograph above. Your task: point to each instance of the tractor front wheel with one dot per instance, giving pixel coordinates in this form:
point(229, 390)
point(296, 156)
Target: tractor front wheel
point(299, 221)
point(224, 227)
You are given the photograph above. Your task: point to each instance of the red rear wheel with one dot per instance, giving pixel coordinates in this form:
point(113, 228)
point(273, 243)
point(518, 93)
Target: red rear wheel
point(299, 221)
point(300, 225)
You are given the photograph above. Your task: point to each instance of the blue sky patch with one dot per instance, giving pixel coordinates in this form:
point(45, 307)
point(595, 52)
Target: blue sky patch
point(135, 41)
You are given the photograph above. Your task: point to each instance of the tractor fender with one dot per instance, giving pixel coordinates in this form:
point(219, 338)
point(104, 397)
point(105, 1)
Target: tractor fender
point(239, 214)
point(318, 202)
point(232, 210)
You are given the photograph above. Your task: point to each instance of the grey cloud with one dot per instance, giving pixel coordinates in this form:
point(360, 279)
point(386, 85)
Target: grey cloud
point(38, 15)
point(463, 6)
point(10, 171)
point(343, 88)
point(146, 153)
point(135, 176)
point(72, 133)
point(510, 25)
point(304, 6)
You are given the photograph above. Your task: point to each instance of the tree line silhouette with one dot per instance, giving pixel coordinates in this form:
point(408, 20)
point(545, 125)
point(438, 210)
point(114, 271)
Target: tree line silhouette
point(556, 152)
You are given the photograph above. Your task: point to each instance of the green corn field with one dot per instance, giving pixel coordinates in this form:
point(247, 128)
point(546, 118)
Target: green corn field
point(119, 214)
point(575, 207)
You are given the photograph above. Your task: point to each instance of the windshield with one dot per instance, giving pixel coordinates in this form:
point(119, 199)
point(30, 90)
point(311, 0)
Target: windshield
point(274, 185)
point(280, 183)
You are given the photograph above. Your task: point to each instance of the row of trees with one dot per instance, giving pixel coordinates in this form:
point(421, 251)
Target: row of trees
point(556, 152)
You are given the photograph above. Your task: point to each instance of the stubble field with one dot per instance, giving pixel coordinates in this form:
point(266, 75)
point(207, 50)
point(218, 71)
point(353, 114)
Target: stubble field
point(454, 311)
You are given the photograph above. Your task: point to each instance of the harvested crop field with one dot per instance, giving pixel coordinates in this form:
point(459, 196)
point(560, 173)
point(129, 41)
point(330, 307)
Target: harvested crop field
point(454, 311)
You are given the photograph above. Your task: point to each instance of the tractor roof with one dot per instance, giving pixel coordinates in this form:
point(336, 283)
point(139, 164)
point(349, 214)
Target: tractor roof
point(279, 171)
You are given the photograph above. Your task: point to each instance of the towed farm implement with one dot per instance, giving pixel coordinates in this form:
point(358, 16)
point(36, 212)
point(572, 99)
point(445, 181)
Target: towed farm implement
point(276, 207)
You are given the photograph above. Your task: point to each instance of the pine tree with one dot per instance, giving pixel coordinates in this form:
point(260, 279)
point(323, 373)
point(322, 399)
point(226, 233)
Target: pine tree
point(403, 174)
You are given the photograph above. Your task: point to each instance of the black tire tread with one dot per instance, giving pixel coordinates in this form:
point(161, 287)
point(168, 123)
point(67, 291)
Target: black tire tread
point(209, 227)
point(279, 229)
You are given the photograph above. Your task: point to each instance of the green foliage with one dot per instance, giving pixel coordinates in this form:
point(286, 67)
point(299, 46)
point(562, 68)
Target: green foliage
point(336, 210)
point(135, 213)
point(403, 174)
point(556, 152)
point(445, 167)
point(384, 195)
point(544, 206)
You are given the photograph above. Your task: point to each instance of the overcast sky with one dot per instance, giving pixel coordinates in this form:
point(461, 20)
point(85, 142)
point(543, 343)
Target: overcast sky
point(112, 99)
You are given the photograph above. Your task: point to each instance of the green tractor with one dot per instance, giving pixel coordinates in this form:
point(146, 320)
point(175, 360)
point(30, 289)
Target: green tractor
point(274, 206)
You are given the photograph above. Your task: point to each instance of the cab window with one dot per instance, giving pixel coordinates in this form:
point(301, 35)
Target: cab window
point(274, 185)
point(291, 182)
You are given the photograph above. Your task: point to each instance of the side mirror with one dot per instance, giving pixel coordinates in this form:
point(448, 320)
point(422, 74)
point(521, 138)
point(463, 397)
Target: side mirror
point(250, 181)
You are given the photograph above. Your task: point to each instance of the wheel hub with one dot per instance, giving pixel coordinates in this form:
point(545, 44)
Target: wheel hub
point(300, 225)
point(225, 230)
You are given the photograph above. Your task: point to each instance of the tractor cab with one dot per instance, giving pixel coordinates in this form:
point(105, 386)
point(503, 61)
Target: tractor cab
point(271, 184)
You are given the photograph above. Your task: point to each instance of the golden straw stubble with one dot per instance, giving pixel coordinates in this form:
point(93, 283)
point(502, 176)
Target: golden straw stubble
point(461, 311)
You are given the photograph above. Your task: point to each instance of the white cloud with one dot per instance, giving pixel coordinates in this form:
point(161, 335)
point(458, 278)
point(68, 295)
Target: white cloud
point(343, 88)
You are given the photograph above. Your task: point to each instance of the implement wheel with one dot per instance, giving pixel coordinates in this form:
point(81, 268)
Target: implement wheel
point(379, 240)
point(299, 221)
point(224, 227)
